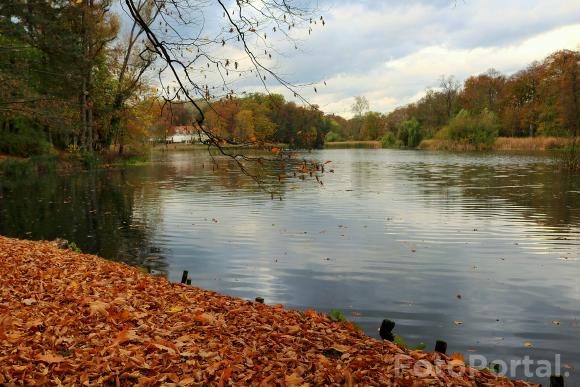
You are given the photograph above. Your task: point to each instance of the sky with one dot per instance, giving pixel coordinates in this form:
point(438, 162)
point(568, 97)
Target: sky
point(392, 50)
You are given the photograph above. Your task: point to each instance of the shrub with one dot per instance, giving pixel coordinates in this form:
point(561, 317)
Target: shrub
point(24, 139)
point(24, 143)
point(333, 137)
point(388, 140)
point(410, 133)
point(476, 129)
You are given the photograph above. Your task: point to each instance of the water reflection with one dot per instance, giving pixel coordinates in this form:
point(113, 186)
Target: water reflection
point(396, 234)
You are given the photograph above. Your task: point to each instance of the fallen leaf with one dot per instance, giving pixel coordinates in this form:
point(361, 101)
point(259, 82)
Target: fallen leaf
point(294, 380)
point(124, 336)
point(458, 356)
point(98, 307)
point(225, 376)
point(175, 309)
point(50, 358)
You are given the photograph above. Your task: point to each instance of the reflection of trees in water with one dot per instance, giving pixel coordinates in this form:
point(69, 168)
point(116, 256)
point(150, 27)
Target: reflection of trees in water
point(539, 192)
point(96, 210)
point(200, 173)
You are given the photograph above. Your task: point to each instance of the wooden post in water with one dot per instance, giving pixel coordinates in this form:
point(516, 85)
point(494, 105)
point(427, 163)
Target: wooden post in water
point(556, 381)
point(441, 346)
point(184, 276)
point(259, 300)
point(386, 330)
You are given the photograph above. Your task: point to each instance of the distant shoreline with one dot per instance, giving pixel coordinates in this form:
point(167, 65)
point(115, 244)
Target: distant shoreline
point(500, 144)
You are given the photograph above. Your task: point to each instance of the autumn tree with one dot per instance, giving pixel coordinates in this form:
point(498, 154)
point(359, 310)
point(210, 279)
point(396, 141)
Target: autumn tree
point(562, 69)
point(520, 116)
point(483, 91)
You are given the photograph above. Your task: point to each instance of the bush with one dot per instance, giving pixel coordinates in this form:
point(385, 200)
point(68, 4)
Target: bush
point(475, 129)
point(24, 143)
point(24, 139)
point(333, 137)
point(410, 133)
point(389, 140)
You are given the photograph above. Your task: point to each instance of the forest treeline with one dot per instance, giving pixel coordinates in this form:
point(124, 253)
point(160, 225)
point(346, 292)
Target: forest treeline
point(73, 79)
point(541, 100)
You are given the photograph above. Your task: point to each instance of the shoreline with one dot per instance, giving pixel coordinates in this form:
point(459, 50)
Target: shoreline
point(77, 318)
point(501, 144)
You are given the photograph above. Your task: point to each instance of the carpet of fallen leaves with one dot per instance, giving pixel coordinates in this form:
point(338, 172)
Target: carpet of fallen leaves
point(69, 318)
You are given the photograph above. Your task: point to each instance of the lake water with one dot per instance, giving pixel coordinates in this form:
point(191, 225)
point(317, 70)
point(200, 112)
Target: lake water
point(481, 250)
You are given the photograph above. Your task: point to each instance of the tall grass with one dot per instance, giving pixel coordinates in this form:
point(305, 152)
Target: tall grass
point(531, 143)
point(500, 144)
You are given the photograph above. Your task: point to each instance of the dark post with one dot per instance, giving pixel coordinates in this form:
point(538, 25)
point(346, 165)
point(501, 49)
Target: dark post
point(386, 330)
point(184, 276)
point(441, 346)
point(556, 381)
point(188, 282)
point(259, 300)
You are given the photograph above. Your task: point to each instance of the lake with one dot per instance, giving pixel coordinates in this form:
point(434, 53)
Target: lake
point(481, 250)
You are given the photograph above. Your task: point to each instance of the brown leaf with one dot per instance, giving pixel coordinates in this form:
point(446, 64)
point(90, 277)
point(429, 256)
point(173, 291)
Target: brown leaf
point(293, 380)
point(124, 336)
point(98, 307)
point(50, 358)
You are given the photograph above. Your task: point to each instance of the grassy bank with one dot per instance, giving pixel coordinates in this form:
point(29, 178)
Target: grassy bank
point(71, 318)
point(500, 144)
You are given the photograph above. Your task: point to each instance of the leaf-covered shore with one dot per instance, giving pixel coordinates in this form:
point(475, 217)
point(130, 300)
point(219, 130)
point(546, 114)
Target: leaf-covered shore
point(69, 318)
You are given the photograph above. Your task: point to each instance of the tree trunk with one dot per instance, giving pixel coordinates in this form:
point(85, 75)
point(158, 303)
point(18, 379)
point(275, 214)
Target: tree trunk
point(83, 112)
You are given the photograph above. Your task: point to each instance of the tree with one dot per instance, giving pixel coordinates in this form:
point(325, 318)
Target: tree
point(98, 28)
point(130, 60)
point(563, 72)
point(360, 105)
point(483, 92)
point(372, 126)
point(450, 88)
point(410, 133)
point(521, 101)
point(39, 73)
